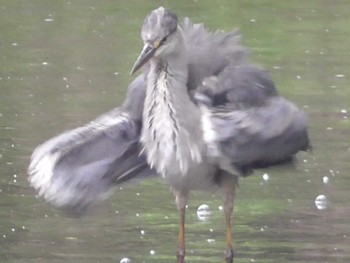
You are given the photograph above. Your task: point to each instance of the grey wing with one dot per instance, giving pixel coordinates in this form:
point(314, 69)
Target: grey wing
point(246, 124)
point(81, 166)
point(210, 52)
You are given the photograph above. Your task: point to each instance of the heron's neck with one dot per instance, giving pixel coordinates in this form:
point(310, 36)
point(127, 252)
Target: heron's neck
point(171, 121)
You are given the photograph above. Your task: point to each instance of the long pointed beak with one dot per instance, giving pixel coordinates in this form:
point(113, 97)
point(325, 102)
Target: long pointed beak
point(145, 55)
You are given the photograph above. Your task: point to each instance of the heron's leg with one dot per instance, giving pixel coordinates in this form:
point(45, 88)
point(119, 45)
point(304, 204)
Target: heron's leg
point(229, 194)
point(181, 201)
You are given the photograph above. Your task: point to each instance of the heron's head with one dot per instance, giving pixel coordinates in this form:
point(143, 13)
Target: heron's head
point(159, 36)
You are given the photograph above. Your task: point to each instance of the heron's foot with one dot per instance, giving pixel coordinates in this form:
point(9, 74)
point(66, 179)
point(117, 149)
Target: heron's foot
point(229, 255)
point(180, 255)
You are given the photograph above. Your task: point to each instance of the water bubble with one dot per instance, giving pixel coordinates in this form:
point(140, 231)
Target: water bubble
point(203, 212)
point(125, 260)
point(321, 202)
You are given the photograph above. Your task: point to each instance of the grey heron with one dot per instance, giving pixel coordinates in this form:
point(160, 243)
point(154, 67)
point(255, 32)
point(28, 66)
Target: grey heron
point(200, 116)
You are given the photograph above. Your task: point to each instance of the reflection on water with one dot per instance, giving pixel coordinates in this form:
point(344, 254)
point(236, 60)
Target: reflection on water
point(321, 202)
point(203, 212)
point(63, 63)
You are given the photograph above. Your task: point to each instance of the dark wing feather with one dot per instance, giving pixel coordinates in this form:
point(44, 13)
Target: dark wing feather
point(247, 125)
point(210, 52)
point(261, 136)
point(80, 167)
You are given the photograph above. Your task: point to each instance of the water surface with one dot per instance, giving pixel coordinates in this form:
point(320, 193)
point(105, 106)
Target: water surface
point(63, 63)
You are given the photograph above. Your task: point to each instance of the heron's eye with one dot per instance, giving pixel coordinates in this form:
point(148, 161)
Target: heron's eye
point(164, 40)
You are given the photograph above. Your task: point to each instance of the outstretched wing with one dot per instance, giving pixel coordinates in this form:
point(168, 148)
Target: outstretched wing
point(246, 123)
point(81, 166)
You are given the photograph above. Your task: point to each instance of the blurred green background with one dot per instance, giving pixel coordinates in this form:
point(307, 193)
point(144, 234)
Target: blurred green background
point(62, 63)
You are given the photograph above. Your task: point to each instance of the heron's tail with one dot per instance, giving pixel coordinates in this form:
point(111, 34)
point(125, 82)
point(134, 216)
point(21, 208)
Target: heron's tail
point(81, 166)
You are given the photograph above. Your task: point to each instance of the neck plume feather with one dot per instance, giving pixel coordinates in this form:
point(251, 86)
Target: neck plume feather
point(170, 135)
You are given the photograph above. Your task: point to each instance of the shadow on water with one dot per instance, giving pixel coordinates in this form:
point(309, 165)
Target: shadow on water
point(60, 65)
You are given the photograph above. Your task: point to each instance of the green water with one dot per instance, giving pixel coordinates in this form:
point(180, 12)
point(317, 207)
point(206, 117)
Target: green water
point(62, 63)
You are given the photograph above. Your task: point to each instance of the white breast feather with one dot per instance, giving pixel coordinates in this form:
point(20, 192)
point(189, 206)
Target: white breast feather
point(162, 154)
point(209, 133)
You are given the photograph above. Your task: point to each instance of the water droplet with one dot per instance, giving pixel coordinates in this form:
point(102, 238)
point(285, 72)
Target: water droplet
point(203, 212)
point(152, 252)
point(44, 63)
point(210, 240)
point(321, 202)
point(343, 111)
point(325, 179)
point(266, 177)
point(13, 230)
point(339, 76)
point(125, 260)
point(142, 232)
point(220, 207)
